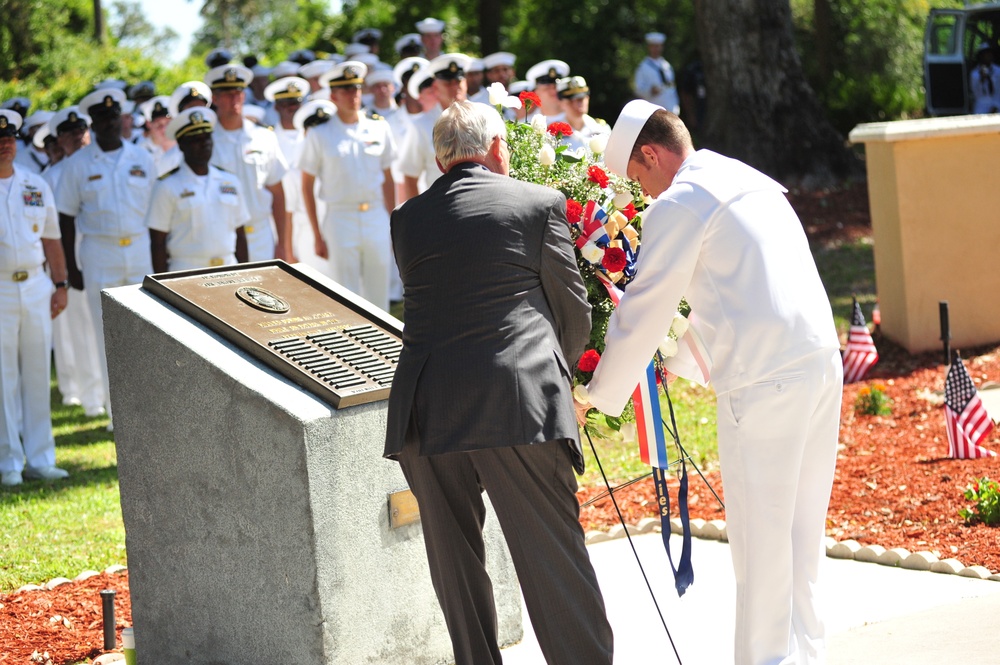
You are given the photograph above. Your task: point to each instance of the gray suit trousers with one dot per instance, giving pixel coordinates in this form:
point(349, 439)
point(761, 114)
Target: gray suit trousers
point(533, 491)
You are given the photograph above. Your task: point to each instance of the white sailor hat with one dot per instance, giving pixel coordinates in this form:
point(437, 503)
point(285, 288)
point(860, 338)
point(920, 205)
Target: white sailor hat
point(218, 57)
point(352, 50)
point(419, 80)
point(10, 123)
point(315, 69)
point(260, 70)
point(572, 87)
point(68, 119)
point(313, 113)
point(626, 130)
point(187, 93)
point(409, 40)
point(290, 88)
point(191, 122)
point(367, 35)
point(103, 102)
point(19, 105)
point(157, 107)
point(254, 113)
point(655, 38)
point(449, 66)
point(380, 75)
point(302, 57)
point(36, 119)
point(128, 107)
point(499, 59)
point(322, 94)
point(284, 68)
point(407, 67)
point(517, 87)
point(475, 65)
point(228, 77)
point(350, 73)
point(547, 71)
point(370, 60)
point(430, 25)
point(143, 89)
point(38, 139)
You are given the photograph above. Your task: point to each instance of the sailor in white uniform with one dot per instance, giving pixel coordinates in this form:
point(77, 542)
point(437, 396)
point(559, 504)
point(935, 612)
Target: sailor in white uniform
point(654, 78)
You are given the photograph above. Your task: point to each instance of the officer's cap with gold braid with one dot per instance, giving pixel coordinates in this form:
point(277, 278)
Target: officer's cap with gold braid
point(313, 113)
point(10, 123)
point(407, 67)
point(449, 66)
point(191, 122)
point(103, 102)
point(228, 77)
point(188, 94)
point(572, 87)
point(68, 119)
point(547, 71)
point(350, 73)
point(157, 107)
point(19, 105)
point(290, 88)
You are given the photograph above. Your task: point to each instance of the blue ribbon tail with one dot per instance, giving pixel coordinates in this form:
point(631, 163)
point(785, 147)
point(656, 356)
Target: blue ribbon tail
point(684, 572)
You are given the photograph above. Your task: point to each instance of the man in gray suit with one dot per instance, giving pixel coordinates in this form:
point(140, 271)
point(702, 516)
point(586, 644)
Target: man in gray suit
point(496, 313)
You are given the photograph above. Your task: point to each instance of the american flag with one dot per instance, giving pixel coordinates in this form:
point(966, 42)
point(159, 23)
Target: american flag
point(860, 353)
point(965, 417)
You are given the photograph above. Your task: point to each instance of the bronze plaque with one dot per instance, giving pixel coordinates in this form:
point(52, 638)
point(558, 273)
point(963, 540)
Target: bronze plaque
point(336, 346)
point(403, 509)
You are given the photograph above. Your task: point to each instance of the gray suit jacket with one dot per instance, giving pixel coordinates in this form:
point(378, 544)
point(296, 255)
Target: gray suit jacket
point(495, 316)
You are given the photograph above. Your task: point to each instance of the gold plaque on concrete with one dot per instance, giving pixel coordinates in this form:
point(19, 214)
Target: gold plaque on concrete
point(403, 509)
point(326, 340)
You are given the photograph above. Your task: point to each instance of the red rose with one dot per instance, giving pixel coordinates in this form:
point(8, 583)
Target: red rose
point(560, 128)
point(530, 100)
point(614, 259)
point(574, 211)
point(629, 211)
point(596, 174)
point(588, 361)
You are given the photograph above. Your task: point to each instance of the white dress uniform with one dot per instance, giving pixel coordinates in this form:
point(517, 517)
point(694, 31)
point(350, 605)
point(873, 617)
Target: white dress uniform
point(27, 214)
point(984, 84)
point(399, 123)
point(78, 371)
point(30, 158)
point(580, 138)
point(251, 153)
point(200, 215)
point(657, 73)
point(290, 141)
point(350, 161)
point(417, 158)
point(108, 194)
point(724, 236)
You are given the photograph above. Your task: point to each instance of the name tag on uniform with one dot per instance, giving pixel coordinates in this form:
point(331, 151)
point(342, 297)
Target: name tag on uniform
point(186, 194)
point(95, 177)
point(137, 172)
point(227, 189)
point(33, 198)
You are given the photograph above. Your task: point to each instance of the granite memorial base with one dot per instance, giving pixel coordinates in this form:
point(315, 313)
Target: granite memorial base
point(256, 520)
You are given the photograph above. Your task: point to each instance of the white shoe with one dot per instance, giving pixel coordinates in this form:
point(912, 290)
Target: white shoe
point(46, 473)
point(94, 411)
point(71, 401)
point(11, 478)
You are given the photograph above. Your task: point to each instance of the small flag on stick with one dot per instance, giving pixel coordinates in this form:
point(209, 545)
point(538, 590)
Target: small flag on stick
point(965, 417)
point(860, 353)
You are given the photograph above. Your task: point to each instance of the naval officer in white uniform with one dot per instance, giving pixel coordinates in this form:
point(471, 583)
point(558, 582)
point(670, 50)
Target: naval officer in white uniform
point(724, 236)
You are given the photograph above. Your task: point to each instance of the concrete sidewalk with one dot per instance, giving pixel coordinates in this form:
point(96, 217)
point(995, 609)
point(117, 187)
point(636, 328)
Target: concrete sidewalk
point(876, 614)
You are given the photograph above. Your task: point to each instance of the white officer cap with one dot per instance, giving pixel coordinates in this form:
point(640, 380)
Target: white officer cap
point(103, 101)
point(626, 130)
point(36, 119)
point(290, 87)
point(117, 84)
point(367, 34)
point(67, 119)
point(547, 71)
point(142, 89)
point(186, 93)
point(430, 25)
point(260, 70)
point(128, 107)
point(572, 87)
point(417, 80)
point(449, 66)
point(190, 122)
point(350, 73)
point(302, 56)
point(10, 123)
point(313, 113)
point(157, 107)
point(19, 105)
point(499, 59)
point(407, 67)
point(38, 140)
point(380, 75)
point(284, 68)
point(655, 38)
point(369, 59)
point(315, 69)
point(352, 50)
point(228, 77)
point(409, 40)
point(218, 57)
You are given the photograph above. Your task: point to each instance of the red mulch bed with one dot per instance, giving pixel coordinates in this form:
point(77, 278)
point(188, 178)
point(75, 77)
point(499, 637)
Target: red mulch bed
point(894, 485)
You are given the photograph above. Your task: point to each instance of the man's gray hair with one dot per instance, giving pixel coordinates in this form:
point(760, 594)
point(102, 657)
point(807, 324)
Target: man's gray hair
point(466, 130)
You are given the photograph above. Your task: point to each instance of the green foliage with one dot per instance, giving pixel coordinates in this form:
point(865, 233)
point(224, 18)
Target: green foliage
point(985, 495)
point(873, 401)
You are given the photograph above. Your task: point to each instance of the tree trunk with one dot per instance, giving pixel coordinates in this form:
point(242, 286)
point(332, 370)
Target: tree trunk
point(98, 22)
point(761, 109)
point(490, 18)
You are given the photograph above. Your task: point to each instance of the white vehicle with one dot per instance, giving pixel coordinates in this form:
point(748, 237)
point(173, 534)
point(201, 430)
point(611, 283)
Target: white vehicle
point(951, 40)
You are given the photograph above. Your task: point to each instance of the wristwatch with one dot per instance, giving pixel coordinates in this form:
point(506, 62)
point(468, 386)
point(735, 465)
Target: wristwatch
point(63, 284)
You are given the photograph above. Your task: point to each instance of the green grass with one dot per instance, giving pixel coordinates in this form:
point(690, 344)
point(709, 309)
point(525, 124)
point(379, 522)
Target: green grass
point(848, 269)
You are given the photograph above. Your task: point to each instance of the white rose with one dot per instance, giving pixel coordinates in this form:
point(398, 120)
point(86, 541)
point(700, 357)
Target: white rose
point(512, 102)
point(679, 325)
point(498, 93)
point(538, 124)
point(592, 253)
point(629, 432)
point(668, 347)
point(598, 142)
point(547, 155)
point(623, 199)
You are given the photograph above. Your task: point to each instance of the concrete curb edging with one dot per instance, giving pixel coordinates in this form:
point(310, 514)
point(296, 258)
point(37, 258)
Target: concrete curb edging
point(845, 549)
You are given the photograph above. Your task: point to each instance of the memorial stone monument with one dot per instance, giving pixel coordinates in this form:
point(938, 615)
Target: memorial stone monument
point(262, 524)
